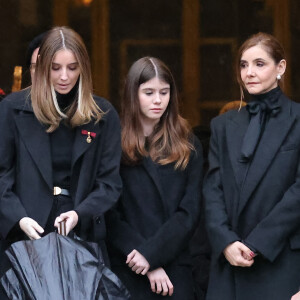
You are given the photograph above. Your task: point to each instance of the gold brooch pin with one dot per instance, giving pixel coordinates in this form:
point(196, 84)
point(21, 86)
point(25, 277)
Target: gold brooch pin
point(89, 139)
point(89, 134)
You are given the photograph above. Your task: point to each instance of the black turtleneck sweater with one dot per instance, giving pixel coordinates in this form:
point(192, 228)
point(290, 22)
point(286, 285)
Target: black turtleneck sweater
point(62, 140)
point(271, 97)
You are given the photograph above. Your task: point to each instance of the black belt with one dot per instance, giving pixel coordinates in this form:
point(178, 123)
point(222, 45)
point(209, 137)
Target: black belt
point(59, 191)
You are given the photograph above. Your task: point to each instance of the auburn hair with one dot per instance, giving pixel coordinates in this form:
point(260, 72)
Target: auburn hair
point(44, 102)
point(170, 139)
point(270, 44)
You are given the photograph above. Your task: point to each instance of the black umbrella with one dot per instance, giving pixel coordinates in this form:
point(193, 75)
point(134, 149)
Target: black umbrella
point(57, 267)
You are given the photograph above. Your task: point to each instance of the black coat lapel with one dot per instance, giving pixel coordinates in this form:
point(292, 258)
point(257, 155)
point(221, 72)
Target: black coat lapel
point(152, 171)
point(236, 127)
point(36, 140)
point(274, 135)
point(81, 144)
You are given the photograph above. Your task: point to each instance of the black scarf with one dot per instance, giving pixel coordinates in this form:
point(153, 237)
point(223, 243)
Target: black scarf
point(260, 108)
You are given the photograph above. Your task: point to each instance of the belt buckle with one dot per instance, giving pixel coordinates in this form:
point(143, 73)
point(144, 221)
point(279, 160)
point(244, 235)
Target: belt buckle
point(56, 190)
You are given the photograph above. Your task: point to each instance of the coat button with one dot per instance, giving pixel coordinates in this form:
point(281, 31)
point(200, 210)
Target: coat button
point(98, 220)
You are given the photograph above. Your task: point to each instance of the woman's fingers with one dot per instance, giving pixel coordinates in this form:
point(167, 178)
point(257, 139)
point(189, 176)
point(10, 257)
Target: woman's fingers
point(160, 282)
point(236, 254)
point(137, 262)
point(242, 262)
point(249, 255)
point(144, 271)
point(135, 268)
point(130, 256)
point(37, 227)
point(33, 235)
point(140, 270)
point(170, 287)
point(70, 225)
point(71, 219)
point(152, 284)
point(246, 252)
point(165, 289)
point(31, 228)
point(158, 287)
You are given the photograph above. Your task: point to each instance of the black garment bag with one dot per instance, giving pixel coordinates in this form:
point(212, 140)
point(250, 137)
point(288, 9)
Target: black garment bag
point(60, 267)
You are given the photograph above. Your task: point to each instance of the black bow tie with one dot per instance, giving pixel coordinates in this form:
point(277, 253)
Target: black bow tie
point(259, 111)
point(266, 106)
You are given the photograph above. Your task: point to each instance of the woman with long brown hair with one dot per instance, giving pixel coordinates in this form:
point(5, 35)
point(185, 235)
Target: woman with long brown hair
point(161, 168)
point(253, 184)
point(60, 149)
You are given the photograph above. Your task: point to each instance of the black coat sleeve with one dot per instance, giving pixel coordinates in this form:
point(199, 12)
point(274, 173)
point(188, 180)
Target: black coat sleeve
point(11, 208)
point(218, 227)
point(121, 235)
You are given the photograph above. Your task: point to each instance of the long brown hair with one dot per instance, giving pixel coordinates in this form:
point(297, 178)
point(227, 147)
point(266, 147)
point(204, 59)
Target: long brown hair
point(43, 97)
point(169, 141)
point(270, 44)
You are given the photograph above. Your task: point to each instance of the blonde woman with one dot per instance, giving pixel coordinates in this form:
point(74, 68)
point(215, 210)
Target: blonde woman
point(60, 148)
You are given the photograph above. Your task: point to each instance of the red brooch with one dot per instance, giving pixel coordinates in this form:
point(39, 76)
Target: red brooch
point(2, 92)
point(89, 134)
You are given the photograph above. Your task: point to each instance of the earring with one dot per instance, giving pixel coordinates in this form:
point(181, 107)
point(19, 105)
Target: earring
point(278, 76)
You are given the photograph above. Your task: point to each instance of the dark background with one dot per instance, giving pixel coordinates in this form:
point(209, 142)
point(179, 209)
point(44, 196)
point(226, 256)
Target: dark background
point(198, 39)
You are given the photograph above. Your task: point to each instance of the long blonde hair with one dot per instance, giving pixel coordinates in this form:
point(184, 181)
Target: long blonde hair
point(44, 102)
point(169, 142)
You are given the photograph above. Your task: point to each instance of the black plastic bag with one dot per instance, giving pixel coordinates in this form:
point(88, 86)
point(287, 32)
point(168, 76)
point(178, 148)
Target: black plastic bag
point(57, 267)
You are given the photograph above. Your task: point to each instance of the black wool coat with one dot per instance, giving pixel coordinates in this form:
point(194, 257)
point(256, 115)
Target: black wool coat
point(156, 215)
point(264, 212)
point(26, 183)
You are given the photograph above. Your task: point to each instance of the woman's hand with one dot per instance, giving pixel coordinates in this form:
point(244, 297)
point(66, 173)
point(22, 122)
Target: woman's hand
point(239, 255)
point(71, 219)
point(249, 255)
point(31, 228)
point(296, 296)
point(160, 282)
point(137, 262)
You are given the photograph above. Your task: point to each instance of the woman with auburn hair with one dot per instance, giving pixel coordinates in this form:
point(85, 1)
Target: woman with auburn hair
point(60, 149)
point(253, 184)
point(149, 229)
